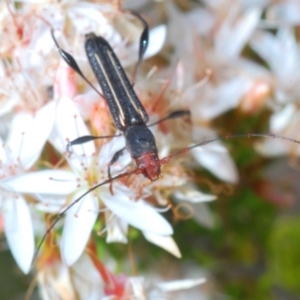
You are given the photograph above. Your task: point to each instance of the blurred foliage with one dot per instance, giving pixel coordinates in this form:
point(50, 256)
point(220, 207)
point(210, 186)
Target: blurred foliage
point(283, 254)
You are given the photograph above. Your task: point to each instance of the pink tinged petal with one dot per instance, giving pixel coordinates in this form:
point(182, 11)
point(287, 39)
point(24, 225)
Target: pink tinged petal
point(137, 213)
point(231, 41)
point(70, 126)
point(42, 182)
point(41, 42)
point(55, 282)
point(19, 231)
point(165, 242)
point(116, 229)
point(64, 84)
point(29, 134)
point(170, 180)
point(177, 285)
point(215, 158)
point(79, 223)
point(137, 285)
point(201, 19)
point(85, 103)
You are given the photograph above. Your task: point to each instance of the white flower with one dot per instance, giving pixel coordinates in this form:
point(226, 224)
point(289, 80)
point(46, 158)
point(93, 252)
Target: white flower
point(58, 281)
point(282, 54)
point(22, 149)
point(283, 59)
point(88, 170)
point(219, 49)
point(90, 279)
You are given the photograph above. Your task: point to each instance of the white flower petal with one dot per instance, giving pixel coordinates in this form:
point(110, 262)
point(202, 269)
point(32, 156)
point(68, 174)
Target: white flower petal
point(107, 152)
point(7, 103)
point(3, 153)
point(54, 182)
point(157, 37)
point(40, 42)
point(180, 284)
point(281, 53)
point(165, 242)
point(116, 229)
point(227, 95)
point(200, 211)
point(231, 39)
point(287, 11)
point(88, 17)
point(282, 118)
point(202, 215)
point(264, 43)
point(68, 127)
point(272, 147)
point(138, 288)
point(79, 222)
point(215, 158)
point(19, 231)
point(136, 213)
point(289, 58)
point(89, 285)
point(201, 19)
point(193, 196)
point(50, 203)
point(246, 4)
point(29, 133)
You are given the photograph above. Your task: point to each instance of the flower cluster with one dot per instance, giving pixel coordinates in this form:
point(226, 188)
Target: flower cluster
point(45, 104)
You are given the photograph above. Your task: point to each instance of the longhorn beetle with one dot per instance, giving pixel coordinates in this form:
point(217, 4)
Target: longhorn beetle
point(128, 113)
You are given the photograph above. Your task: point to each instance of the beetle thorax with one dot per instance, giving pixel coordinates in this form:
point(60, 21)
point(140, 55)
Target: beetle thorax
point(141, 145)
